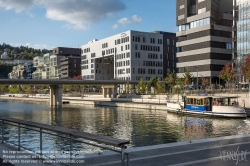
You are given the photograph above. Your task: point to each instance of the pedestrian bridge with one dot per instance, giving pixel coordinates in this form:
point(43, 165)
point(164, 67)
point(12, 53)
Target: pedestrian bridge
point(109, 86)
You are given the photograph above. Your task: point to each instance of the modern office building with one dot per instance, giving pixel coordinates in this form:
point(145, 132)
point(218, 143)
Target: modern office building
point(204, 38)
point(130, 55)
point(241, 42)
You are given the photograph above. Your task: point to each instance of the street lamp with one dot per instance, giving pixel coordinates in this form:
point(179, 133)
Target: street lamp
point(196, 76)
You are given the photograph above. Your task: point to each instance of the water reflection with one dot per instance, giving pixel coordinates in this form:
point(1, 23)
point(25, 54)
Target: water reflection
point(142, 127)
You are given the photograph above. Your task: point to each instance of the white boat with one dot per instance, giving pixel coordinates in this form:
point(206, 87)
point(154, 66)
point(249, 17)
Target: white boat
point(223, 106)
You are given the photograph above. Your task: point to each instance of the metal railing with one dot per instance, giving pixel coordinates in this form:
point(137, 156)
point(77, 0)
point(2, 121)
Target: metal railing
point(54, 144)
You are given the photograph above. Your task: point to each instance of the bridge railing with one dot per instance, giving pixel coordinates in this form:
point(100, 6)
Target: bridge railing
point(53, 144)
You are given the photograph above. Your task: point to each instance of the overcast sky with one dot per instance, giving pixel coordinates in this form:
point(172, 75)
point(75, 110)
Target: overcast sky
point(72, 23)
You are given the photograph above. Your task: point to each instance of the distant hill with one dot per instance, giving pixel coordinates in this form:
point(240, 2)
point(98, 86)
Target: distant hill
point(22, 52)
point(5, 69)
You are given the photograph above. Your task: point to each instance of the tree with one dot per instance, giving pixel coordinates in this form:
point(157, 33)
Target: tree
point(179, 86)
point(27, 89)
point(204, 81)
point(187, 78)
point(160, 87)
point(246, 68)
point(171, 79)
point(228, 73)
point(141, 86)
point(14, 89)
point(3, 88)
point(152, 82)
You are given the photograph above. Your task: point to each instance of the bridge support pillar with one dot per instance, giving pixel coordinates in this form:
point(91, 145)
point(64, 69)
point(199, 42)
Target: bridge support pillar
point(55, 95)
point(109, 91)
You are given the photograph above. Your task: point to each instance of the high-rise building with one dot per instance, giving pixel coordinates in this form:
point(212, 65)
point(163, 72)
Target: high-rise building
point(241, 35)
point(204, 38)
point(130, 55)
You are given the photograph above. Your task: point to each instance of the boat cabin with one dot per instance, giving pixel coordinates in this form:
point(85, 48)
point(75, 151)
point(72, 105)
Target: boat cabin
point(206, 103)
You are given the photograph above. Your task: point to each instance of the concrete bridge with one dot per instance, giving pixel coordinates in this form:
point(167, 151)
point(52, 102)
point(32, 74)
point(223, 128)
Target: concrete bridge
point(109, 86)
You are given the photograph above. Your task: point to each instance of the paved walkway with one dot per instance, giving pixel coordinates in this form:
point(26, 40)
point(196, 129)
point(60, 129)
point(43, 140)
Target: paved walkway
point(223, 151)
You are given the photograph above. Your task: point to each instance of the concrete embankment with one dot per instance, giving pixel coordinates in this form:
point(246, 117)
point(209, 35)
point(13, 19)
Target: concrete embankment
point(136, 101)
point(119, 102)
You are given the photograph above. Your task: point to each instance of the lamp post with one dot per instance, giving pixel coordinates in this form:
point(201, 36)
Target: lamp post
point(196, 76)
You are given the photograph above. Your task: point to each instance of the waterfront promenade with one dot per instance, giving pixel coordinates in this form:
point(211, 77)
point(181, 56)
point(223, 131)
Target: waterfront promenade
point(223, 151)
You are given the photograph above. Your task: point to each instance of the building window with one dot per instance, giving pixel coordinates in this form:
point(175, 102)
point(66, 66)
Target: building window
point(181, 17)
point(229, 46)
point(168, 41)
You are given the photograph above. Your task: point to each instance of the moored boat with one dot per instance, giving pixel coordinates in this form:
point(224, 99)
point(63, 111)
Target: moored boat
point(223, 106)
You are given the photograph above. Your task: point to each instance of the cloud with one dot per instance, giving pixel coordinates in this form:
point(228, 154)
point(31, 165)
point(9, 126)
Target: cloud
point(36, 46)
point(17, 5)
point(133, 19)
point(82, 12)
point(115, 26)
point(79, 14)
point(125, 21)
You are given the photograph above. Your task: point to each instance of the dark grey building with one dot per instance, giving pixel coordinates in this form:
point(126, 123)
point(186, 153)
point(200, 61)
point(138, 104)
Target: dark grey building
point(65, 51)
point(169, 52)
point(205, 37)
point(70, 63)
point(70, 67)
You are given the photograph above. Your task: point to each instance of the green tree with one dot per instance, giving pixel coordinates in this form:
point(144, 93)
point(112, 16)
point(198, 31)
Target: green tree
point(160, 87)
point(3, 88)
point(171, 79)
point(228, 73)
point(179, 87)
point(141, 86)
point(27, 89)
point(14, 89)
point(152, 82)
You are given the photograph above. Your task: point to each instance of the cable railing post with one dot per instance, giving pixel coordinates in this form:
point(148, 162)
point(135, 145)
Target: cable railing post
point(70, 150)
point(2, 131)
point(41, 143)
point(123, 155)
point(19, 137)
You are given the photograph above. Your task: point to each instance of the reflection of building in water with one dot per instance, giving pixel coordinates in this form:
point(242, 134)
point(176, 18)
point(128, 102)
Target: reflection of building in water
point(195, 128)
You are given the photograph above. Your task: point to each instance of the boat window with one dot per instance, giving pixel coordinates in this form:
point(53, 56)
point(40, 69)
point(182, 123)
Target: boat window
point(190, 101)
point(198, 102)
point(194, 102)
point(207, 101)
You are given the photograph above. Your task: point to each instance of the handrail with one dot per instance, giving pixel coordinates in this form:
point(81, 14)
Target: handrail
point(89, 136)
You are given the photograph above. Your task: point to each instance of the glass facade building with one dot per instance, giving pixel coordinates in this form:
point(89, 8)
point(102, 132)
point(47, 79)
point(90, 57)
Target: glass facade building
point(241, 34)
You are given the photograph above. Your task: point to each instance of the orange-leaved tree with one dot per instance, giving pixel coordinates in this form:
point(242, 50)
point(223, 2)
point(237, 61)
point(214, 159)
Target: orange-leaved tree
point(228, 73)
point(246, 68)
point(187, 78)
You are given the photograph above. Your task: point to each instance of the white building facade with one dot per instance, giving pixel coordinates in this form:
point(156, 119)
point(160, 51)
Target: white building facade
point(130, 55)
